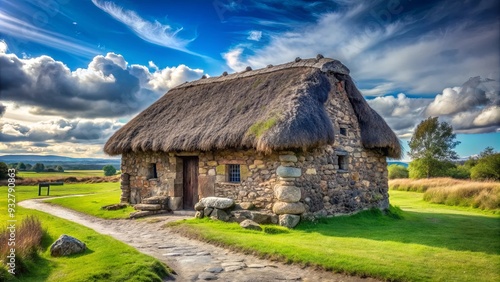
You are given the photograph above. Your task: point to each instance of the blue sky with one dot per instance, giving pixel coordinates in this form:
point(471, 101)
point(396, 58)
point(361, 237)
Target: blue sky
point(73, 72)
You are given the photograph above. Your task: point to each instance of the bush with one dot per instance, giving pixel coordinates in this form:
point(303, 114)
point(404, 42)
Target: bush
point(459, 172)
point(487, 168)
point(441, 169)
point(109, 170)
point(397, 171)
point(4, 169)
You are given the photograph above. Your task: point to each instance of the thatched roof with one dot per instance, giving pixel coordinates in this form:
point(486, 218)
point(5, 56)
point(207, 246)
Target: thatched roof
point(278, 107)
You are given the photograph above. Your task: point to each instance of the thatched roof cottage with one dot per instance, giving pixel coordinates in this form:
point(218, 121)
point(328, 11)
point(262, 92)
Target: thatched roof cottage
point(297, 138)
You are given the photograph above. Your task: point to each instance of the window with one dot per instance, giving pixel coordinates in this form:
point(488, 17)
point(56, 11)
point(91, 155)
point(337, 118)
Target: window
point(343, 131)
point(234, 173)
point(152, 171)
point(342, 160)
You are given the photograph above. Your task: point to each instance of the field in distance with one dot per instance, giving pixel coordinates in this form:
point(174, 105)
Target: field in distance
point(67, 173)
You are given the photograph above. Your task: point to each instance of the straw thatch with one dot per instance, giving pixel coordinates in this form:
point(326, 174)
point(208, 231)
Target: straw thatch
point(274, 108)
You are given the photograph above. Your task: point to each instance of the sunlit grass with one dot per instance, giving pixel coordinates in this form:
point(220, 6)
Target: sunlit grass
point(430, 243)
point(103, 261)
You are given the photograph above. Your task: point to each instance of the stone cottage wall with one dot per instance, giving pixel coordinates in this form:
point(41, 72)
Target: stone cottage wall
point(140, 185)
point(328, 186)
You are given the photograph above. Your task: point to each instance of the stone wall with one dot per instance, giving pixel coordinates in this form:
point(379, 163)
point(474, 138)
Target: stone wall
point(140, 183)
point(340, 178)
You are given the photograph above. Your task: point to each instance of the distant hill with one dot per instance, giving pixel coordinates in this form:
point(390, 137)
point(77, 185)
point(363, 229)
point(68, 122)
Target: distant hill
point(65, 162)
point(398, 163)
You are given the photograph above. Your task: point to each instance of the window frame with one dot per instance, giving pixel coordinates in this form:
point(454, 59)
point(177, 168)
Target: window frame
point(343, 131)
point(342, 161)
point(233, 173)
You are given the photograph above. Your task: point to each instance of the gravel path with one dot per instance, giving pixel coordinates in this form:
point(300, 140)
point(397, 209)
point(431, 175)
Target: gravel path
point(191, 260)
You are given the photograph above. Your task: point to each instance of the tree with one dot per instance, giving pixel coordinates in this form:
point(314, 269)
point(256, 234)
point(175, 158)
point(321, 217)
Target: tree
point(4, 170)
point(29, 167)
point(21, 166)
point(39, 167)
point(59, 168)
point(488, 151)
point(487, 168)
point(397, 171)
point(109, 170)
point(432, 143)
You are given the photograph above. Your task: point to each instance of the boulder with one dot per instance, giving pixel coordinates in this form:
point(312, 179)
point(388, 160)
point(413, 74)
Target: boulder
point(66, 245)
point(288, 172)
point(260, 217)
point(288, 208)
point(218, 203)
point(218, 214)
point(207, 211)
point(199, 206)
point(246, 206)
point(289, 194)
point(289, 220)
point(250, 224)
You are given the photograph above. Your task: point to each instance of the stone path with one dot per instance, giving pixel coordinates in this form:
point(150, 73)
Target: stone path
point(191, 260)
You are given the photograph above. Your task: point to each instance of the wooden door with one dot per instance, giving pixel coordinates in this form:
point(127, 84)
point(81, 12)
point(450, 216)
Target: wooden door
point(190, 185)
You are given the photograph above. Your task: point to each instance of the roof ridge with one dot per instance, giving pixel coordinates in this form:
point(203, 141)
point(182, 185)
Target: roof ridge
point(323, 64)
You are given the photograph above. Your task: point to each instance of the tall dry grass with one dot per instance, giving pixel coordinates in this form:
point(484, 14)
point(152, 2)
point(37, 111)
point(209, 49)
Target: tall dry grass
point(453, 192)
point(28, 238)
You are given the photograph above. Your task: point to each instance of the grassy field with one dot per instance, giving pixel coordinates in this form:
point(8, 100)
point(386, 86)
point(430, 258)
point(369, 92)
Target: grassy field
point(92, 203)
point(453, 192)
point(67, 173)
point(430, 243)
point(103, 261)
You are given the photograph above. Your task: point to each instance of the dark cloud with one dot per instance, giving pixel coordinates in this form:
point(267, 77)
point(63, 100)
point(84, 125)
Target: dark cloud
point(76, 131)
point(108, 87)
point(2, 109)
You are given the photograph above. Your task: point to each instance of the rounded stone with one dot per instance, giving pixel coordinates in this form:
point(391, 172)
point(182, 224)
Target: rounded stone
point(288, 158)
point(289, 220)
point(288, 208)
point(286, 171)
point(288, 194)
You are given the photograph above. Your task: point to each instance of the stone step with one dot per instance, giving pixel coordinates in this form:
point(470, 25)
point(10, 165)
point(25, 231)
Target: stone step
point(138, 214)
point(148, 207)
point(186, 213)
point(162, 200)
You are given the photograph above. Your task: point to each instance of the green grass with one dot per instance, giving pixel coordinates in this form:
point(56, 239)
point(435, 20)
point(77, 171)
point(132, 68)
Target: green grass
point(67, 173)
point(430, 243)
point(91, 204)
point(103, 261)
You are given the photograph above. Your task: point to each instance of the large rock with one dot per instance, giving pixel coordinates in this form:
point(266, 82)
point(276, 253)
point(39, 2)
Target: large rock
point(288, 158)
point(218, 203)
point(288, 208)
point(219, 215)
point(250, 224)
point(207, 211)
point(66, 245)
point(199, 206)
point(288, 172)
point(289, 220)
point(289, 194)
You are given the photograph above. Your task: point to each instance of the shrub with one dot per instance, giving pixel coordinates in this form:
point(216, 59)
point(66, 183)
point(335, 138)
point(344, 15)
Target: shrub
point(482, 195)
point(275, 230)
point(109, 170)
point(3, 170)
point(459, 172)
point(397, 171)
point(487, 168)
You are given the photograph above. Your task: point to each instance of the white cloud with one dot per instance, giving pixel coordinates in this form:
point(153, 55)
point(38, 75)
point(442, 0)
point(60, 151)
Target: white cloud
point(152, 32)
point(432, 59)
point(255, 35)
point(378, 90)
point(3, 47)
point(108, 87)
point(233, 59)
